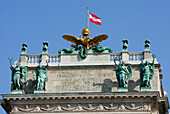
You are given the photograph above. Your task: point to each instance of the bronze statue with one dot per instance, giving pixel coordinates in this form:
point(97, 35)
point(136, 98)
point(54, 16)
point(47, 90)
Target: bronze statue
point(41, 77)
point(125, 45)
point(18, 73)
point(87, 43)
point(123, 73)
point(147, 72)
point(45, 47)
point(147, 45)
point(24, 48)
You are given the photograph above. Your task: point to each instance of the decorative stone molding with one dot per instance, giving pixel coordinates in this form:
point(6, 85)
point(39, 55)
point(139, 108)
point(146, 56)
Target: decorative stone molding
point(93, 95)
point(82, 108)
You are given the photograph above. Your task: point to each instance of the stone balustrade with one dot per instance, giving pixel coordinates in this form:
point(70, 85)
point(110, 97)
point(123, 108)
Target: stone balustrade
point(114, 55)
point(135, 56)
point(55, 59)
point(33, 60)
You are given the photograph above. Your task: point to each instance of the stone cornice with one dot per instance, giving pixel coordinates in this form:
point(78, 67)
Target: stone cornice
point(80, 95)
point(83, 102)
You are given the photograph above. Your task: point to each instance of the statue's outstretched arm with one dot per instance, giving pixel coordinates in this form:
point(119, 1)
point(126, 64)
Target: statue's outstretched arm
point(152, 67)
point(11, 62)
point(115, 61)
point(154, 56)
point(47, 61)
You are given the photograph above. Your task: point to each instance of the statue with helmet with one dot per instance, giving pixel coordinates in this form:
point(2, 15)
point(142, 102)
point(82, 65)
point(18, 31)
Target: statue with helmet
point(41, 76)
point(146, 73)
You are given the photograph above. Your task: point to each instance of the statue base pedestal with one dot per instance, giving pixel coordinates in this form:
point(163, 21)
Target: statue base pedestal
point(17, 92)
point(122, 89)
point(39, 91)
point(145, 89)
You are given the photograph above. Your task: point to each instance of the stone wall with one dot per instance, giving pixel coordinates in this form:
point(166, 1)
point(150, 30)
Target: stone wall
point(99, 78)
point(89, 76)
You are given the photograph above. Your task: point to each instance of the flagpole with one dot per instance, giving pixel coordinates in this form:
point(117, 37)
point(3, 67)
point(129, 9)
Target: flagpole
point(87, 25)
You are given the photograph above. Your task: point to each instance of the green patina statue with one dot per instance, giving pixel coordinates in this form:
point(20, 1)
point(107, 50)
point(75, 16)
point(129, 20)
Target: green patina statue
point(66, 50)
point(24, 48)
point(125, 45)
point(45, 47)
point(147, 72)
point(83, 52)
point(18, 73)
point(147, 45)
point(99, 48)
point(123, 74)
point(41, 77)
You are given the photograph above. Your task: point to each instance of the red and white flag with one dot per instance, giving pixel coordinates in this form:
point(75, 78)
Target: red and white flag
point(95, 19)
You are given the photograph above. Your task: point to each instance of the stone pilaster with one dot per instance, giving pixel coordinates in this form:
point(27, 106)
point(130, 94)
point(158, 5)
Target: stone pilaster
point(44, 58)
point(125, 56)
point(23, 59)
point(147, 56)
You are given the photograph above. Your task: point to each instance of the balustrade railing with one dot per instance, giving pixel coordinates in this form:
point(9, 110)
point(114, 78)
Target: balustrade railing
point(33, 59)
point(36, 59)
point(54, 58)
point(115, 55)
point(135, 56)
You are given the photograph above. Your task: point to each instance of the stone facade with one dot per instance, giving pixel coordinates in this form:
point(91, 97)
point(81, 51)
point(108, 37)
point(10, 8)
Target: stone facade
point(96, 73)
point(87, 85)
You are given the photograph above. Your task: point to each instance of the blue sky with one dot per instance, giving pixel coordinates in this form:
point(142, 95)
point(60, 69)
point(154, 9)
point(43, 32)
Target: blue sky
point(35, 21)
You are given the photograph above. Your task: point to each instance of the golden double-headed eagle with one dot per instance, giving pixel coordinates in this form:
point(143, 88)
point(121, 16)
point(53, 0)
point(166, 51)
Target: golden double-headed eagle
point(87, 42)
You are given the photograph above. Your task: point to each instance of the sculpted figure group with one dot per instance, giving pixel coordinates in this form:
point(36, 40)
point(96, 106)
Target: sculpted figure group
point(123, 73)
point(20, 72)
point(85, 43)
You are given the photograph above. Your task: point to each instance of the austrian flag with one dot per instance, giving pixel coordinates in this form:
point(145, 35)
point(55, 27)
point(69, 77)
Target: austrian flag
point(95, 19)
